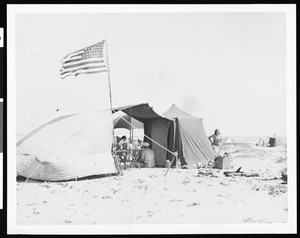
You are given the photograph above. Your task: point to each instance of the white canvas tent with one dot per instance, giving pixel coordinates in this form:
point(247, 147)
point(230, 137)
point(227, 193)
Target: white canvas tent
point(70, 146)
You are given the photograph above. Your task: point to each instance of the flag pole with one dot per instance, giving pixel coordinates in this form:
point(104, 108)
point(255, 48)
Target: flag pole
point(108, 74)
point(111, 110)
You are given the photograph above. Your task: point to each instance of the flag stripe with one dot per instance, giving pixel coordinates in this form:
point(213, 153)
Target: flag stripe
point(69, 56)
point(83, 62)
point(77, 58)
point(83, 72)
point(82, 68)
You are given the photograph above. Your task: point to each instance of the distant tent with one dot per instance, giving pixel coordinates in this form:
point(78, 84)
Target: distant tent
point(189, 137)
point(155, 126)
point(68, 147)
point(273, 141)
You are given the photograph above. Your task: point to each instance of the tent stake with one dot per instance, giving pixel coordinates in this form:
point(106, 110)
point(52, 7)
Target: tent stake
point(175, 156)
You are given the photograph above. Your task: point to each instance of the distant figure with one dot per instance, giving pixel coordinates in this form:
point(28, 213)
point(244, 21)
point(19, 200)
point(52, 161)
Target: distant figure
point(146, 158)
point(216, 140)
point(260, 142)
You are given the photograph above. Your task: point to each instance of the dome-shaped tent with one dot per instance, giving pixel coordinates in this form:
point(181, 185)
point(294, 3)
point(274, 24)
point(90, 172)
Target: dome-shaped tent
point(68, 147)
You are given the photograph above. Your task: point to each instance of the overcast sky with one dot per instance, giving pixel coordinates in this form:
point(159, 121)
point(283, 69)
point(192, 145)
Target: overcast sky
point(228, 68)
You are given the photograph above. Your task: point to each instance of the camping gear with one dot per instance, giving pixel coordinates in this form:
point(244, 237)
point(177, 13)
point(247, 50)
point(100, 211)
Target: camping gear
point(207, 172)
point(272, 142)
point(167, 164)
point(68, 147)
point(223, 162)
point(178, 164)
point(284, 175)
point(230, 172)
point(189, 137)
point(242, 174)
point(238, 172)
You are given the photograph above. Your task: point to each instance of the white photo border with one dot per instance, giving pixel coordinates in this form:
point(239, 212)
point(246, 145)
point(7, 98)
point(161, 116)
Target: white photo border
point(289, 227)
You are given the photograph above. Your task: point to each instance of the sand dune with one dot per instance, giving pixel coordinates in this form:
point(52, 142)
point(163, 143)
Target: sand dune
point(146, 196)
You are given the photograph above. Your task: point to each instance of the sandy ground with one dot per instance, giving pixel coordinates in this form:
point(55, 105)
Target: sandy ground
point(144, 196)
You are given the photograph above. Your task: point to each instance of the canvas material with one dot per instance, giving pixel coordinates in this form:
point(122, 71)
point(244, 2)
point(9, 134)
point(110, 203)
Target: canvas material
point(191, 139)
point(76, 146)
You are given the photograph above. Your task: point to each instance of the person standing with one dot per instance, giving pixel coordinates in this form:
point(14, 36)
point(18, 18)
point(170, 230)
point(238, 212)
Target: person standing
point(216, 141)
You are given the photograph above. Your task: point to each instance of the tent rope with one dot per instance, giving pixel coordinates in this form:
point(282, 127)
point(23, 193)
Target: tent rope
point(33, 171)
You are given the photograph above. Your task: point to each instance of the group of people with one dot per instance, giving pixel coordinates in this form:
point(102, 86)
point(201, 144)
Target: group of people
point(145, 155)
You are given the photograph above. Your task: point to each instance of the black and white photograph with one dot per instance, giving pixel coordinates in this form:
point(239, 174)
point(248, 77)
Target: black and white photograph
point(1, 113)
point(1, 63)
point(1, 153)
point(151, 119)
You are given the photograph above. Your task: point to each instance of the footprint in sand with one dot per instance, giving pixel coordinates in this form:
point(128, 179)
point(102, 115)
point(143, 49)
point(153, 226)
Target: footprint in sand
point(193, 204)
point(185, 182)
point(140, 181)
point(106, 197)
point(67, 221)
point(176, 200)
point(44, 185)
point(150, 213)
point(139, 187)
point(222, 183)
point(35, 212)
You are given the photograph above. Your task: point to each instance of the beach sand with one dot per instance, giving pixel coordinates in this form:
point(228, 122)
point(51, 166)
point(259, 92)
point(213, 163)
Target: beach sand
point(146, 196)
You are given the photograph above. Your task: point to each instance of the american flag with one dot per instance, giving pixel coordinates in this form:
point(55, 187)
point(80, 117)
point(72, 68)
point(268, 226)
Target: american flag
point(85, 61)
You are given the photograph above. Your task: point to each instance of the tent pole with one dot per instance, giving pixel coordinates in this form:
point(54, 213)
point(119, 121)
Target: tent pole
point(109, 84)
point(108, 74)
